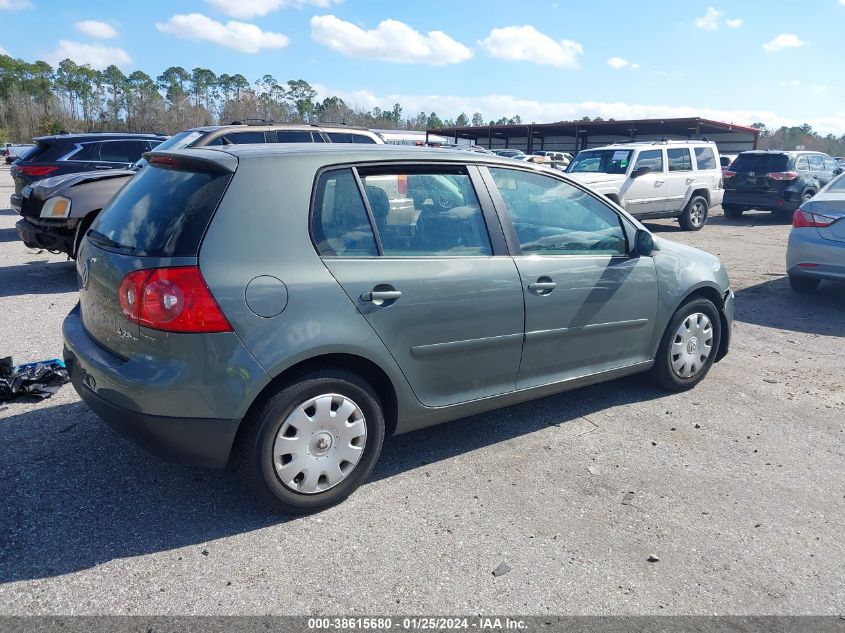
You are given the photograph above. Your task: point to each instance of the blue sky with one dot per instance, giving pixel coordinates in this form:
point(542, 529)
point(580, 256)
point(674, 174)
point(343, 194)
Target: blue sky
point(544, 59)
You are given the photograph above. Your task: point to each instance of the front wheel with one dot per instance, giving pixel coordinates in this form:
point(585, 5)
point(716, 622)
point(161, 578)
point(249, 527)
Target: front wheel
point(688, 347)
point(694, 216)
point(313, 443)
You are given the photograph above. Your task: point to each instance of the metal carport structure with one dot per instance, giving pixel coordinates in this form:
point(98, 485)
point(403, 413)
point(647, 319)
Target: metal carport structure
point(574, 136)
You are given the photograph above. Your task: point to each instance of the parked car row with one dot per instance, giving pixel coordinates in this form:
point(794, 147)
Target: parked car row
point(68, 195)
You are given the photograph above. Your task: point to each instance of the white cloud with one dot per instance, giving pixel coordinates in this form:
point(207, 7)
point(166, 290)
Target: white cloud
point(255, 8)
point(784, 40)
point(618, 63)
point(247, 38)
point(713, 19)
point(97, 55)
point(525, 43)
point(100, 30)
point(710, 20)
point(495, 106)
point(14, 5)
point(390, 41)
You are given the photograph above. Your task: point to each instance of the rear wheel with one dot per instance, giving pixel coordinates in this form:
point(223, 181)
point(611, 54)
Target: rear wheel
point(807, 196)
point(688, 347)
point(694, 216)
point(803, 284)
point(81, 230)
point(733, 213)
point(313, 443)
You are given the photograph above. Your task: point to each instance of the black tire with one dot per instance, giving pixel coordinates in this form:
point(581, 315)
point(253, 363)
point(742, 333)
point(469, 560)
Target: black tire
point(662, 372)
point(804, 284)
point(807, 196)
point(734, 213)
point(694, 215)
point(255, 446)
point(81, 230)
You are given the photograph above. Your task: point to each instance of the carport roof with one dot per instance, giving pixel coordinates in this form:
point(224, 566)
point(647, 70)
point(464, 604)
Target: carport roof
point(693, 127)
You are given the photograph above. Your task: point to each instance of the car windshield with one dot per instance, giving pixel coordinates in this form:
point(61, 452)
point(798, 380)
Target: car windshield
point(177, 141)
point(604, 161)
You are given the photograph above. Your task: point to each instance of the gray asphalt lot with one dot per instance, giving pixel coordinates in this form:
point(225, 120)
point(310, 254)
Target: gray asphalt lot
point(738, 486)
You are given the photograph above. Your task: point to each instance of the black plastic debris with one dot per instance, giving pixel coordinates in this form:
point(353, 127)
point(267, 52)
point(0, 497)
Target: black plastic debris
point(39, 380)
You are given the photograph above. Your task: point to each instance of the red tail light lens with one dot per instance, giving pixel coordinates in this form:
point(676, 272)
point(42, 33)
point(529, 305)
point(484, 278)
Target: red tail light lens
point(727, 173)
point(806, 219)
point(783, 175)
point(172, 300)
point(36, 170)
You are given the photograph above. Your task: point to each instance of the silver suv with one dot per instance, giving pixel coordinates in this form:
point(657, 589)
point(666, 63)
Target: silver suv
point(291, 306)
point(660, 179)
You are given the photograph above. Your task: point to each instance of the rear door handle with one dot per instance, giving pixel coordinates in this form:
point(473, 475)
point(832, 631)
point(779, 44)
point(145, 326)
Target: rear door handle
point(658, 183)
point(378, 296)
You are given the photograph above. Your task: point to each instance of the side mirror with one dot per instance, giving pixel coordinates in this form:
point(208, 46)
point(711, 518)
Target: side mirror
point(837, 171)
point(640, 171)
point(643, 243)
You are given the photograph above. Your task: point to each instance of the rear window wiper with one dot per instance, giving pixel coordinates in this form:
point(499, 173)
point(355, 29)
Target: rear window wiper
point(105, 240)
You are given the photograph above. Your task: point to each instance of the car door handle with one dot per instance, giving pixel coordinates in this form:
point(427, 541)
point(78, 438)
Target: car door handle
point(381, 295)
point(542, 287)
point(658, 183)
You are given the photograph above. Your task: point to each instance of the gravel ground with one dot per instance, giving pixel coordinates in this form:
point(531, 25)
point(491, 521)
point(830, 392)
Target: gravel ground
point(738, 486)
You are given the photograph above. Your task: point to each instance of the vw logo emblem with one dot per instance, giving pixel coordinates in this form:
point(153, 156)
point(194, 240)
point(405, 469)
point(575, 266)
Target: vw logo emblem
point(85, 273)
point(751, 174)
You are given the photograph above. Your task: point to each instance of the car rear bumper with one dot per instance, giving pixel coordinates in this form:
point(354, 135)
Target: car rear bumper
point(808, 254)
point(763, 201)
point(168, 414)
point(48, 238)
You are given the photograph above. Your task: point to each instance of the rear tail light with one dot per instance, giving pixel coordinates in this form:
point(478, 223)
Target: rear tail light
point(727, 173)
point(36, 170)
point(803, 218)
point(172, 300)
point(783, 175)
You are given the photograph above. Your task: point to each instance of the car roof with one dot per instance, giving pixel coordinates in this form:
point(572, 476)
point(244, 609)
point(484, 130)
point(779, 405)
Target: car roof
point(280, 126)
point(340, 152)
point(98, 135)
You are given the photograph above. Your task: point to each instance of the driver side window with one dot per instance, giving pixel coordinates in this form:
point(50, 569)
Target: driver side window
point(652, 158)
point(552, 217)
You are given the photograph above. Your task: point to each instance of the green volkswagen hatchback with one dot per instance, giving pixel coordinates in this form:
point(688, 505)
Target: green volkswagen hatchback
point(290, 306)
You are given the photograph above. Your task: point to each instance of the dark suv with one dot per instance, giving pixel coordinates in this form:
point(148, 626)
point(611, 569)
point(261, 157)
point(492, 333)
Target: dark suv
point(777, 181)
point(57, 211)
point(72, 153)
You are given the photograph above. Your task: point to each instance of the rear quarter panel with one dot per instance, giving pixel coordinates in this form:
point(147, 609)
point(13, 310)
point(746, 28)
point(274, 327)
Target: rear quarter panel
point(261, 228)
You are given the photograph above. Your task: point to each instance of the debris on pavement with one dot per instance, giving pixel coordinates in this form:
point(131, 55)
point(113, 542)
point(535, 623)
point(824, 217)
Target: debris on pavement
point(626, 500)
point(39, 379)
point(502, 569)
point(653, 559)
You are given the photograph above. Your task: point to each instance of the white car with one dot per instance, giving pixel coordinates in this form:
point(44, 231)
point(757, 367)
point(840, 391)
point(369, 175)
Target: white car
point(660, 179)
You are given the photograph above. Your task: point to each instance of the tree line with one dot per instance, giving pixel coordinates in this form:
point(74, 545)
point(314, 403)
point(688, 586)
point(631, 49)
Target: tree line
point(37, 99)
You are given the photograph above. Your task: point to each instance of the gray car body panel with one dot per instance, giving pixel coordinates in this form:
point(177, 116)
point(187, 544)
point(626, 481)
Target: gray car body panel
point(301, 307)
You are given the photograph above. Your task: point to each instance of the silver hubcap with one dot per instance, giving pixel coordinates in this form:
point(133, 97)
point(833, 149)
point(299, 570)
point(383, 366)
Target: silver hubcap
point(692, 345)
point(697, 213)
point(320, 443)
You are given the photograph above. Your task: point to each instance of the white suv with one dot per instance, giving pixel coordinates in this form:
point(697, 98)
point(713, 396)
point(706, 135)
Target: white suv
point(660, 179)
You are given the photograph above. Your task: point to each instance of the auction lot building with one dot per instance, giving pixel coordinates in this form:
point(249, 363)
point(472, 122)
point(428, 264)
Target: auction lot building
point(574, 136)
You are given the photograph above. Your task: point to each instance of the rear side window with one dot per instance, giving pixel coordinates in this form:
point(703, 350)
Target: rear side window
point(706, 159)
point(88, 152)
point(679, 159)
point(294, 136)
point(121, 151)
point(339, 221)
point(339, 137)
point(360, 138)
point(162, 212)
point(803, 164)
point(426, 212)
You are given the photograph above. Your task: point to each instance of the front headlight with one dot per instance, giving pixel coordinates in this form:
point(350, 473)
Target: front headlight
point(56, 207)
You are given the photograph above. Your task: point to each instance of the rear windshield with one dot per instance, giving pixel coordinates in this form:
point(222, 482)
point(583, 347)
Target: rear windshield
point(162, 212)
point(838, 184)
point(760, 163)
